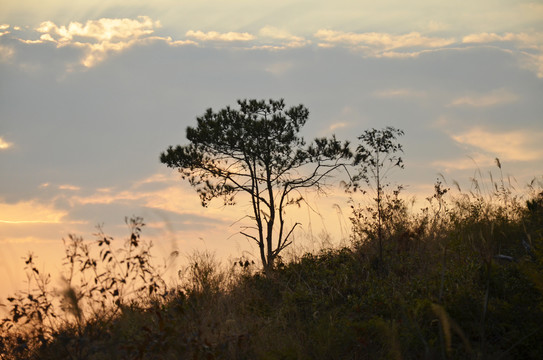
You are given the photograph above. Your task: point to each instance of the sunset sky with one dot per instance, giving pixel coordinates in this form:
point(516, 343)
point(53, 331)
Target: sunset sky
point(91, 92)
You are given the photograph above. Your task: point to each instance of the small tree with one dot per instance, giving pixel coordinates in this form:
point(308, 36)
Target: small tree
point(256, 150)
point(376, 156)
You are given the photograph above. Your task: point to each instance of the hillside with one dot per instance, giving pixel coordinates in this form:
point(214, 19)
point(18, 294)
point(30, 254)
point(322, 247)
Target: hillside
point(461, 280)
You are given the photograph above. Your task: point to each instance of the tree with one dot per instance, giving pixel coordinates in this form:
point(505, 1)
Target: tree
point(257, 150)
point(376, 156)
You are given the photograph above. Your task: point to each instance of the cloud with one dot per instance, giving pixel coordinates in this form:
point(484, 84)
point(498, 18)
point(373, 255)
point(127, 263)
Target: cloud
point(399, 93)
point(434, 25)
point(519, 145)
point(69, 187)
point(102, 30)
point(4, 29)
point(30, 212)
point(531, 45)
point(495, 97)
point(160, 198)
point(287, 39)
point(98, 52)
point(533, 62)
point(6, 53)
point(279, 68)
point(159, 191)
point(4, 145)
point(381, 44)
point(524, 40)
point(472, 161)
point(338, 125)
point(100, 38)
point(216, 36)
point(171, 42)
point(485, 38)
point(526, 46)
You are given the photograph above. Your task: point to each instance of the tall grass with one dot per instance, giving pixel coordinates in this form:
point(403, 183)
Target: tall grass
point(461, 279)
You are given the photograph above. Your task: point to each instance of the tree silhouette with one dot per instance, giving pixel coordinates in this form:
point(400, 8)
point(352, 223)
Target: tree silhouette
point(376, 156)
point(257, 150)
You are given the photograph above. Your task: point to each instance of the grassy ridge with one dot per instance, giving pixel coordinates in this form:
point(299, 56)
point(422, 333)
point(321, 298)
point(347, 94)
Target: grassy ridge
point(463, 279)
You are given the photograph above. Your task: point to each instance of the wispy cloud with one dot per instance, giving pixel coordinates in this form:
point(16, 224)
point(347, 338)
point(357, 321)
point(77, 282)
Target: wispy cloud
point(493, 98)
point(104, 29)
point(285, 39)
point(217, 36)
point(531, 45)
point(472, 161)
point(158, 191)
point(69, 187)
point(400, 93)
point(533, 62)
point(6, 53)
point(67, 208)
point(525, 40)
point(98, 38)
point(279, 68)
point(4, 29)
point(528, 47)
point(30, 212)
point(338, 125)
point(382, 44)
point(518, 145)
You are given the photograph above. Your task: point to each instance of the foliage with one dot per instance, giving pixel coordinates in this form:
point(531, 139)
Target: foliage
point(257, 150)
point(375, 156)
point(99, 282)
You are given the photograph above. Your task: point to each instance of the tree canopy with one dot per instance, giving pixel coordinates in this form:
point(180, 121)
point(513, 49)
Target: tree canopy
point(375, 156)
point(257, 150)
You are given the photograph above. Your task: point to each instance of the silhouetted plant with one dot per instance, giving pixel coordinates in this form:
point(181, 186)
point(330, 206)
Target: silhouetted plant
point(32, 318)
point(96, 287)
point(375, 156)
point(112, 278)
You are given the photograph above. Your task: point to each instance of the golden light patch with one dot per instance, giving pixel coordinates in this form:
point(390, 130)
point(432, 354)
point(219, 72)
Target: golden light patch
point(155, 178)
point(216, 36)
point(104, 29)
point(106, 197)
point(178, 198)
point(513, 146)
point(399, 93)
point(338, 125)
point(99, 37)
point(382, 40)
point(4, 144)
point(279, 68)
point(30, 212)
point(524, 40)
point(495, 97)
point(465, 163)
point(69, 187)
point(291, 41)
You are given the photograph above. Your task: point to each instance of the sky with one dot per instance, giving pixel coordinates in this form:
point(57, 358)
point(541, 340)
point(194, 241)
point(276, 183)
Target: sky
point(92, 92)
